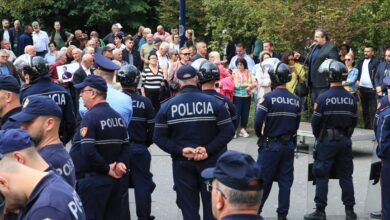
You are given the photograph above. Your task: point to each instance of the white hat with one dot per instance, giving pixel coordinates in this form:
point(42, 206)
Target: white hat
point(119, 25)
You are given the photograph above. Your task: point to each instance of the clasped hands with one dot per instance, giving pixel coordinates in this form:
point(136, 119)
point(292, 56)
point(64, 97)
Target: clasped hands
point(117, 170)
point(198, 153)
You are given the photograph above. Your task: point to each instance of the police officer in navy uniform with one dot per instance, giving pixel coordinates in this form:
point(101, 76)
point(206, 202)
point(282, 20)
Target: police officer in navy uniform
point(47, 196)
point(194, 128)
point(9, 101)
point(38, 83)
point(279, 111)
point(41, 118)
point(101, 158)
point(383, 152)
point(141, 137)
point(208, 74)
point(333, 122)
point(235, 186)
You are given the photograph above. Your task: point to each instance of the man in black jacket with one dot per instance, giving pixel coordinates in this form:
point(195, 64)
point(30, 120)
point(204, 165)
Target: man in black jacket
point(367, 67)
point(322, 50)
point(131, 55)
point(382, 71)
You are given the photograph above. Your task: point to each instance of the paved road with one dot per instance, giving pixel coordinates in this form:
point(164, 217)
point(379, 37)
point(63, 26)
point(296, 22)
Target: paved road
point(164, 206)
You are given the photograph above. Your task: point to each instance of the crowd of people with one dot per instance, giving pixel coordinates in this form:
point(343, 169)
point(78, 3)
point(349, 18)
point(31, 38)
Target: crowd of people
point(132, 90)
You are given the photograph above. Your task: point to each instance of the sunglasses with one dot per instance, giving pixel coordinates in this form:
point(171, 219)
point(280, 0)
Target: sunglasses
point(348, 59)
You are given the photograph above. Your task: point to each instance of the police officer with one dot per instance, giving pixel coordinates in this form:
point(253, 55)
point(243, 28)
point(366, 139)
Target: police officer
point(383, 137)
point(117, 100)
point(9, 101)
point(279, 111)
point(41, 118)
point(101, 158)
point(208, 74)
point(235, 186)
point(333, 122)
point(38, 83)
point(194, 128)
point(141, 137)
point(37, 201)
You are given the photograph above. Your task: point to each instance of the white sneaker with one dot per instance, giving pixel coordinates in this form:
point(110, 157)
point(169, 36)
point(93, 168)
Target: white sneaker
point(243, 133)
point(235, 136)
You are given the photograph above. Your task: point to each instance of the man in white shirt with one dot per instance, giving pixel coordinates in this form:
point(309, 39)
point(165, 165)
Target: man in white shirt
point(367, 69)
point(162, 54)
point(40, 39)
point(240, 51)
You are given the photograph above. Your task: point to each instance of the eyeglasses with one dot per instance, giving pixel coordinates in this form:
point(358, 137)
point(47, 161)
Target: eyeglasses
point(348, 59)
point(209, 188)
point(85, 90)
point(186, 54)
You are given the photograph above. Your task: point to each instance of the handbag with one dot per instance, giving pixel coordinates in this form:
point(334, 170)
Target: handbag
point(301, 90)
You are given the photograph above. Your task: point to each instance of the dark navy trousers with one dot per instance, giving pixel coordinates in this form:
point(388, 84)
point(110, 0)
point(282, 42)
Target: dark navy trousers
point(327, 153)
point(101, 197)
point(188, 183)
point(139, 160)
point(276, 161)
point(385, 185)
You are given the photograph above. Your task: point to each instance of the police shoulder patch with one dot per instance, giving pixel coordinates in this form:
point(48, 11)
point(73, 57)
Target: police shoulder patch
point(83, 131)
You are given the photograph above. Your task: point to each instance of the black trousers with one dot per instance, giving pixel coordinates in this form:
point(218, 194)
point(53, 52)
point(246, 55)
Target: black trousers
point(153, 95)
point(368, 101)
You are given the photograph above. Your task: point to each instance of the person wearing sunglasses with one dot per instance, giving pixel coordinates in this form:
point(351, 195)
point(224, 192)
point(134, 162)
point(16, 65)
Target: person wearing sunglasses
point(235, 186)
point(350, 83)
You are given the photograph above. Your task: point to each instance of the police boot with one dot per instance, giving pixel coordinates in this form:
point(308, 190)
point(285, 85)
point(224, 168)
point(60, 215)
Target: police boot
point(350, 214)
point(316, 215)
point(376, 214)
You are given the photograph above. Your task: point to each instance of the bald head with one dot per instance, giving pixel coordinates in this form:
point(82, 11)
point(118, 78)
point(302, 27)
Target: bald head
point(87, 60)
point(30, 50)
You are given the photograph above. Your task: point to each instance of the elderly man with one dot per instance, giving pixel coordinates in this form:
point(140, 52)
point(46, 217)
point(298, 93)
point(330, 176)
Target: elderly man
point(146, 48)
point(31, 200)
point(7, 46)
point(235, 186)
point(161, 33)
point(6, 67)
point(76, 54)
point(40, 39)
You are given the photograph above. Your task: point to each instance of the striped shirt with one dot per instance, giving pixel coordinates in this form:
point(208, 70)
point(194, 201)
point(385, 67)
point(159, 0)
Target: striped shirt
point(151, 80)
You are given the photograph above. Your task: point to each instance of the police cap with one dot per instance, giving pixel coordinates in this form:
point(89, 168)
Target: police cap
point(186, 72)
point(35, 106)
point(93, 81)
point(105, 64)
point(14, 140)
point(9, 83)
point(236, 170)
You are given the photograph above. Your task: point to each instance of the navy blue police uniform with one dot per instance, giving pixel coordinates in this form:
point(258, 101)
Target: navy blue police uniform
point(52, 197)
point(382, 130)
point(10, 84)
point(240, 172)
point(54, 154)
point(192, 119)
point(141, 137)
point(104, 140)
point(61, 96)
point(279, 111)
point(333, 121)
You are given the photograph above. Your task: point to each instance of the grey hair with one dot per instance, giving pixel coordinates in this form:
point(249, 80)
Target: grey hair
point(238, 198)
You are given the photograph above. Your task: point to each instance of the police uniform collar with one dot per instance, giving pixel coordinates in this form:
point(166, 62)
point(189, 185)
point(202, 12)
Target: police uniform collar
point(100, 104)
point(42, 184)
point(189, 88)
point(10, 113)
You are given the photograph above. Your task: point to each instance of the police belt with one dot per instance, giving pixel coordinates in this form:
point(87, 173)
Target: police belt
point(284, 139)
point(333, 134)
point(86, 174)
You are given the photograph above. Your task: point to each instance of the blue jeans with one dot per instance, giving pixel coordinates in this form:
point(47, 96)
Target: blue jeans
point(243, 105)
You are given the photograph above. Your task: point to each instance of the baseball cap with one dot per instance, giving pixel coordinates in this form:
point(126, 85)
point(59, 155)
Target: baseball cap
point(13, 140)
point(157, 40)
point(105, 64)
point(34, 106)
point(235, 170)
point(107, 48)
point(93, 81)
point(186, 72)
point(9, 83)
